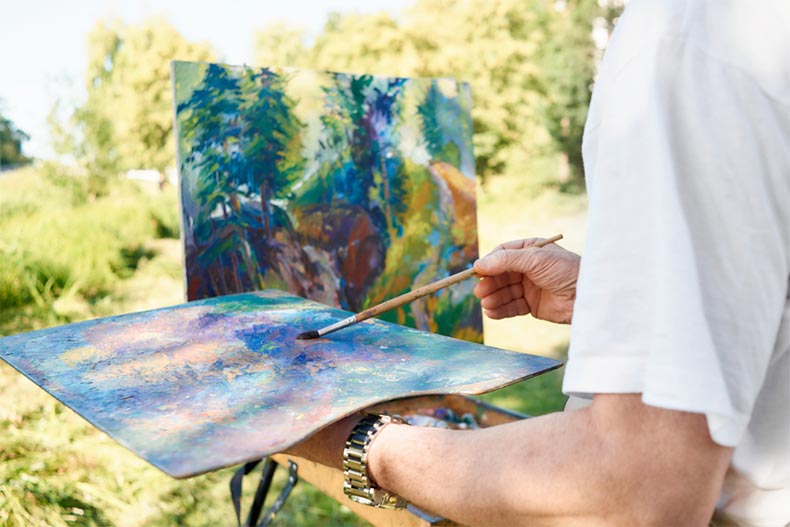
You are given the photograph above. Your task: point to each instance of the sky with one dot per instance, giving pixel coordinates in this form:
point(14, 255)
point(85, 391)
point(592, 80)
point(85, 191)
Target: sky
point(43, 43)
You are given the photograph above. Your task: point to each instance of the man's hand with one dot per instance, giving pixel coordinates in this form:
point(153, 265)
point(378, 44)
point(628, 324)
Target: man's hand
point(522, 279)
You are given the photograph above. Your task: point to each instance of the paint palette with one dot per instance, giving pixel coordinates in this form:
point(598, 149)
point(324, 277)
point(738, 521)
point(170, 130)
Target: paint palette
point(200, 386)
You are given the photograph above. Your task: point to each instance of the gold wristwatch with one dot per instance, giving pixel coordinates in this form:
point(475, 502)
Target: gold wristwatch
point(356, 483)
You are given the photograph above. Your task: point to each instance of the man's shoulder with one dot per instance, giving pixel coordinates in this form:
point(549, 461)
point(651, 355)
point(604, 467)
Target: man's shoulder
point(750, 36)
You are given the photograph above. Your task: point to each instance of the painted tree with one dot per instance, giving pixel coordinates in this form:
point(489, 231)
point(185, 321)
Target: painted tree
point(447, 137)
point(209, 120)
point(381, 126)
point(359, 144)
point(244, 147)
point(211, 125)
point(270, 141)
point(345, 100)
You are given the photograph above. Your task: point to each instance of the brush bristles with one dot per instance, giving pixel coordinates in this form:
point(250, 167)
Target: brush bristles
point(307, 335)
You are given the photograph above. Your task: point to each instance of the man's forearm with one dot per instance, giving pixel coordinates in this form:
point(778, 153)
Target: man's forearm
point(520, 473)
point(587, 466)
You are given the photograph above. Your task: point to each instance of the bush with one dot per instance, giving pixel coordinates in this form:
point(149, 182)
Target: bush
point(57, 236)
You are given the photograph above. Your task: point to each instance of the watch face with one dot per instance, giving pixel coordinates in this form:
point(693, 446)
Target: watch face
point(387, 419)
point(386, 500)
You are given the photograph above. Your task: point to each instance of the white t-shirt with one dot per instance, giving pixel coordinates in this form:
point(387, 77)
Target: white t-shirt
point(684, 288)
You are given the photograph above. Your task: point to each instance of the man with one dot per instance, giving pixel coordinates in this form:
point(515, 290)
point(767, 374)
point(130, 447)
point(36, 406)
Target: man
point(680, 307)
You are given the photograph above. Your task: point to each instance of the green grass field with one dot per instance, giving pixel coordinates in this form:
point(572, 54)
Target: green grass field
point(66, 255)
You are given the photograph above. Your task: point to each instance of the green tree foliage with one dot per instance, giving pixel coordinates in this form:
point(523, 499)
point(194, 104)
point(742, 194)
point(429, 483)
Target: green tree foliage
point(360, 136)
point(216, 136)
point(566, 79)
point(11, 139)
point(446, 136)
point(271, 140)
point(126, 121)
point(530, 65)
point(245, 145)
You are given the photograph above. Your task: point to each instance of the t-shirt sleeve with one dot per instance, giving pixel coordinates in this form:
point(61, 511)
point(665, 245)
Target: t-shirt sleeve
point(684, 275)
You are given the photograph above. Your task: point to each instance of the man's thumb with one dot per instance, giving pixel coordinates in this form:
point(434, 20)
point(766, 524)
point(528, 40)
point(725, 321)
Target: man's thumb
point(502, 261)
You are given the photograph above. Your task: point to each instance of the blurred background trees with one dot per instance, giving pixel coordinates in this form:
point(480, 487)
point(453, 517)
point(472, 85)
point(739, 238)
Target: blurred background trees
point(530, 65)
point(126, 120)
point(11, 140)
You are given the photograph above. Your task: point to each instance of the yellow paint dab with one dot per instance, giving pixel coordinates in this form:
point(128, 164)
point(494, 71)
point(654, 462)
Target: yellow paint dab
point(77, 355)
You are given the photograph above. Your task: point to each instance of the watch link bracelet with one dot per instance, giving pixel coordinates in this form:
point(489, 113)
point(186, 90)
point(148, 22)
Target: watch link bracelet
point(356, 482)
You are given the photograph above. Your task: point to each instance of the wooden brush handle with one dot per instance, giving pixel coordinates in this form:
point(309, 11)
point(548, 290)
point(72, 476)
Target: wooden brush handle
point(420, 292)
point(414, 294)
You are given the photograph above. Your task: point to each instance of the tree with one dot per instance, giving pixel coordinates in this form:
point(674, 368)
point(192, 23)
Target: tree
point(11, 139)
point(270, 133)
point(280, 45)
point(244, 145)
point(568, 65)
point(358, 148)
point(126, 121)
point(210, 120)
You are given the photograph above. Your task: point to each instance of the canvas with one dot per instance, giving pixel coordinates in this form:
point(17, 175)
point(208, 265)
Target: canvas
point(346, 189)
point(208, 384)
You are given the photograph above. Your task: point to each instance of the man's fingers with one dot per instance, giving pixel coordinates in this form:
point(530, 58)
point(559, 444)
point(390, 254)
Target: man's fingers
point(518, 244)
point(503, 261)
point(512, 309)
point(494, 263)
point(503, 296)
point(493, 283)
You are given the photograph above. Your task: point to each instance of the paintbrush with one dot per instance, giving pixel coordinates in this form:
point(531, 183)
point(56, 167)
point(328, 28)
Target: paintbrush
point(402, 299)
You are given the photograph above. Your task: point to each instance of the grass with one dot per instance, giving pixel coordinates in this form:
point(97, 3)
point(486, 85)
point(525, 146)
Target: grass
point(65, 256)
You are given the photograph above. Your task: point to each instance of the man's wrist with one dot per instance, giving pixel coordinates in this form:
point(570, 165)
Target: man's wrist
point(379, 457)
point(359, 484)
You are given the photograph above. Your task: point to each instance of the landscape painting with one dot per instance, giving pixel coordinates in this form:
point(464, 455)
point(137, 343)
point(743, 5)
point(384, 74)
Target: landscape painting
point(212, 383)
point(345, 189)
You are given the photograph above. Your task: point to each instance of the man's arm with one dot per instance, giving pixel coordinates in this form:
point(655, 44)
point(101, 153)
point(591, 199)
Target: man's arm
point(618, 462)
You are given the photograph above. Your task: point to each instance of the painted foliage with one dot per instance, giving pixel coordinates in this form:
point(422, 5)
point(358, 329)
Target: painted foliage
point(212, 383)
point(345, 189)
